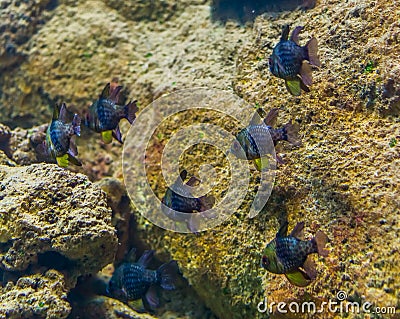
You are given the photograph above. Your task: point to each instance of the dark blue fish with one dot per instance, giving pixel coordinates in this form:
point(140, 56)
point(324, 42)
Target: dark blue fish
point(132, 281)
point(105, 113)
point(289, 61)
point(183, 201)
point(250, 145)
point(289, 254)
point(58, 144)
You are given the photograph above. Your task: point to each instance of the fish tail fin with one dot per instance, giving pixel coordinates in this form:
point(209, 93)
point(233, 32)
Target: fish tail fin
point(76, 124)
point(320, 241)
point(312, 52)
point(206, 202)
point(292, 133)
point(130, 111)
point(167, 275)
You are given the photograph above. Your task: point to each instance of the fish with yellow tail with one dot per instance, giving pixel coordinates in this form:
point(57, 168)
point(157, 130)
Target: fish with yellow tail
point(251, 140)
point(290, 255)
point(59, 145)
point(105, 113)
point(292, 62)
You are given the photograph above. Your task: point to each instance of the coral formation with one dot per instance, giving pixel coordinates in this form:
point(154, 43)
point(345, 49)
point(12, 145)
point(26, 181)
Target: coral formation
point(53, 218)
point(35, 296)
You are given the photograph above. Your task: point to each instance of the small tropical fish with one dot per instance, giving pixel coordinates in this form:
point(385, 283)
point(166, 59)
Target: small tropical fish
point(249, 141)
point(105, 113)
point(289, 255)
point(291, 62)
point(58, 144)
point(182, 201)
point(132, 280)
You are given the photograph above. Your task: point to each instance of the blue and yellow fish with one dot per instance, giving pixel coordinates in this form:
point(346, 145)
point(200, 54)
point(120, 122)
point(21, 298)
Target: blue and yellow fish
point(251, 142)
point(289, 255)
point(105, 113)
point(58, 145)
point(132, 280)
point(291, 62)
point(182, 201)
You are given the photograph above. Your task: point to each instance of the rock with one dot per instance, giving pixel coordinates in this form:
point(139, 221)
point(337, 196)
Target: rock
point(107, 308)
point(79, 50)
point(37, 296)
point(18, 21)
point(55, 219)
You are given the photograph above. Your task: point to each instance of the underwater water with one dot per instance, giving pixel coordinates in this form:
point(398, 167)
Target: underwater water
point(199, 159)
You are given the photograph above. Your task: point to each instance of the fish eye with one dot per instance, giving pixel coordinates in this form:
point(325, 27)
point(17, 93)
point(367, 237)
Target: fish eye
point(265, 260)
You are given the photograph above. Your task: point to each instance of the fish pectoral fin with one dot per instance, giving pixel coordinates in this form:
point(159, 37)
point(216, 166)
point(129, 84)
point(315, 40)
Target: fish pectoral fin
point(262, 163)
point(106, 136)
point(310, 268)
point(298, 278)
point(293, 86)
point(62, 161)
point(306, 73)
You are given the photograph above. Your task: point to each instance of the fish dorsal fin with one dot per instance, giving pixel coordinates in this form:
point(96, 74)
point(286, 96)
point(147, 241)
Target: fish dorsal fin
point(131, 255)
point(257, 117)
point(193, 181)
point(283, 230)
point(295, 34)
point(298, 231)
point(56, 111)
point(145, 259)
point(270, 119)
point(182, 175)
point(62, 113)
point(285, 32)
point(106, 92)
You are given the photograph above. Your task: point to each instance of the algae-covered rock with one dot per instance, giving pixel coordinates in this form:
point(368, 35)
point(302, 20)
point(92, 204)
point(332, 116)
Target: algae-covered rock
point(18, 21)
point(53, 218)
point(37, 296)
point(107, 308)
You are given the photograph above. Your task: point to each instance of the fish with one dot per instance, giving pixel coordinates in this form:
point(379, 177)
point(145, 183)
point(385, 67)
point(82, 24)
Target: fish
point(290, 255)
point(292, 62)
point(132, 280)
point(249, 143)
point(182, 201)
point(105, 114)
point(58, 145)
